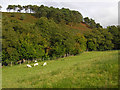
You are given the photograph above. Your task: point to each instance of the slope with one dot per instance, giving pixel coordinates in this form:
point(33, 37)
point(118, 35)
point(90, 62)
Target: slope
point(90, 69)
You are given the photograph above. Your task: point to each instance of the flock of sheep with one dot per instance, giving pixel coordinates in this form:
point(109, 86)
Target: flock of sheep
point(36, 64)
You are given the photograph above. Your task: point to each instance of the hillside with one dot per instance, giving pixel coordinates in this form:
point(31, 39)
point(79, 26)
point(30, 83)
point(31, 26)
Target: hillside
point(16, 16)
point(80, 27)
point(29, 18)
point(88, 70)
point(17, 26)
point(49, 33)
point(79, 52)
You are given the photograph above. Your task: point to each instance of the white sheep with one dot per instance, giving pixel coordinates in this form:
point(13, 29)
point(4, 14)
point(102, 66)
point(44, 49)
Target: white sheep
point(44, 64)
point(35, 60)
point(36, 64)
point(29, 66)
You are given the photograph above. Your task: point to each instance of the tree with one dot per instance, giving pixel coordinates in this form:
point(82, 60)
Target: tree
point(22, 17)
point(19, 8)
point(10, 7)
point(81, 40)
point(0, 7)
point(91, 45)
point(14, 7)
point(77, 16)
point(87, 20)
point(92, 23)
point(108, 45)
point(25, 8)
point(12, 14)
point(29, 7)
point(34, 8)
point(98, 25)
point(114, 30)
point(13, 54)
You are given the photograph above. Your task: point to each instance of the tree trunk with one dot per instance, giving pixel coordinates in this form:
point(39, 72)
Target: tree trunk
point(11, 63)
point(28, 61)
point(20, 62)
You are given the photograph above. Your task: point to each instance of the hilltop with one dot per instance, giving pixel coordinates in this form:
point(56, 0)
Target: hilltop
point(29, 18)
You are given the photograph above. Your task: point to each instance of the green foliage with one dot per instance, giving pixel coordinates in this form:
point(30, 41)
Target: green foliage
point(87, 20)
point(98, 25)
point(22, 17)
point(91, 23)
point(108, 45)
point(80, 44)
point(58, 15)
point(99, 39)
point(13, 54)
point(12, 15)
point(115, 30)
point(50, 35)
point(91, 45)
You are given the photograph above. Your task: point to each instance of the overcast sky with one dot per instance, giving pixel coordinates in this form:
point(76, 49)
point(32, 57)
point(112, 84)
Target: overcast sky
point(104, 12)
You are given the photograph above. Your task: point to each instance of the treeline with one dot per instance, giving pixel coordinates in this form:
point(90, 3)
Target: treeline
point(58, 15)
point(45, 39)
point(103, 39)
point(91, 23)
point(48, 39)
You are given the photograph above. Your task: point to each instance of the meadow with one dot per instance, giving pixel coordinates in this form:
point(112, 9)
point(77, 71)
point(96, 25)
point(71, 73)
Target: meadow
point(95, 69)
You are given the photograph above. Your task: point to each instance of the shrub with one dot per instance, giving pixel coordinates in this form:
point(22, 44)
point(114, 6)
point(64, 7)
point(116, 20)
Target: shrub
point(22, 17)
point(12, 15)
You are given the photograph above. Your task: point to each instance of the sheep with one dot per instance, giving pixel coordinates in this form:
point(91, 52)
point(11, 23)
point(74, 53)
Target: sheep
point(35, 60)
point(36, 64)
point(44, 64)
point(29, 66)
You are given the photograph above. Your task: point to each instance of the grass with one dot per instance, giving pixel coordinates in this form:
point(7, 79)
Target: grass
point(87, 70)
point(0, 74)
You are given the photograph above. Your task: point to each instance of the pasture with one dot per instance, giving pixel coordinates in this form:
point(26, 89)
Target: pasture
point(95, 69)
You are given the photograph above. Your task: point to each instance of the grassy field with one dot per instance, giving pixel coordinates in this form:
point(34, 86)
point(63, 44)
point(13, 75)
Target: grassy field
point(0, 74)
point(87, 70)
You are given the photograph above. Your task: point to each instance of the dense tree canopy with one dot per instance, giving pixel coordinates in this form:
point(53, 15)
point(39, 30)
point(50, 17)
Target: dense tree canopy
point(91, 23)
point(56, 14)
point(116, 36)
point(49, 37)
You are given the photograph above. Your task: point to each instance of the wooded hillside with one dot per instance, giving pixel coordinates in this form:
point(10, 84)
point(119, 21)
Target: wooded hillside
point(49, 33)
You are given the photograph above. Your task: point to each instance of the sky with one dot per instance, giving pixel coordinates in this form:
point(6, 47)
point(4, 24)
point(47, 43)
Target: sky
point(104, 12)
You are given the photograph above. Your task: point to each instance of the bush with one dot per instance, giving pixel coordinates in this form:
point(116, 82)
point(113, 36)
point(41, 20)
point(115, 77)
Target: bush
point(22, 17)
point(12, 15)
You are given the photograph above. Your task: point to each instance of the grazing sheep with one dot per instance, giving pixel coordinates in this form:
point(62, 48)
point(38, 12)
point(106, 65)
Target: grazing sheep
point(35, 60)
point(36, 64)
point(29, 66)
point(44, 64)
